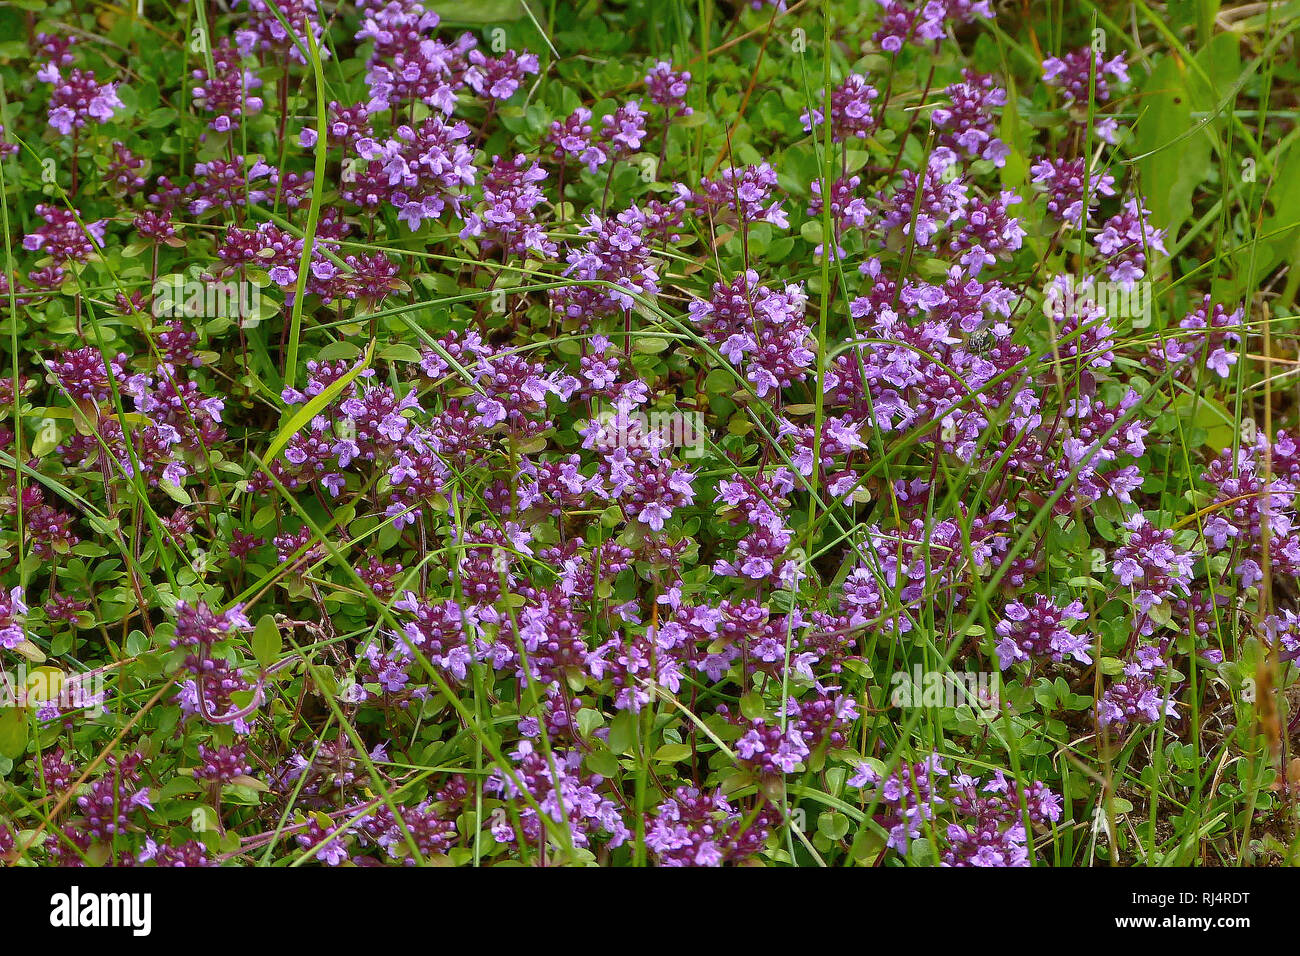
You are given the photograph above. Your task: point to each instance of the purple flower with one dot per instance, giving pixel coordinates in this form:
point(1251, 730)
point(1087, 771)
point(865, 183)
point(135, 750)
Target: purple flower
point(851, 111)
point(507, 219)
point(12, 610)
point(1081, 69)
point(924, 21)
point(227, 91)
point(624, 129)
point(197, 625)
point(1150, 563)
point(78, 97)
point(968, 125)
point(739, 195)
point(572, 141)
point(668, 88)
point(264, 30)
point(1126, 239)
point(617, 252)
point(1063, 181)
point(770, 750)
point(692, 828)
point(568, 798)
point(222, 764)
point(65, 236)
point(423, 170)
point(1039, 629)
point(497, 78)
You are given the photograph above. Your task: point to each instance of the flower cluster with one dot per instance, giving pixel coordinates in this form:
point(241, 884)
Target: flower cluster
point(78, 97)
point(603, 430)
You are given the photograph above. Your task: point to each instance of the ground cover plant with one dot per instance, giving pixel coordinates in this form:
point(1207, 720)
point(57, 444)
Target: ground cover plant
point(623, 433)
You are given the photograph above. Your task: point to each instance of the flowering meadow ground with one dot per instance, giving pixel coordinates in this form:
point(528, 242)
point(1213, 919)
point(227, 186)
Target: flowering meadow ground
point(649, 432)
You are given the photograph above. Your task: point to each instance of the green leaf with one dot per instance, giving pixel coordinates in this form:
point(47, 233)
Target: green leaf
point(342, 349)
point(1110, 666)
point(480, 11)
point(47, 439)
point(13, 732)
point(304, 415)
point(1205, 413)
point(832, 825)
point(672, 753)
point(602, 762)
point(267, 641)
point(650, 344)
point(1173, 163)
point(622, 732)
point(752, 706)
point(1012, 132)
point(589, 719)
point(174, 491)
point(160, 118)
point(400, 352)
